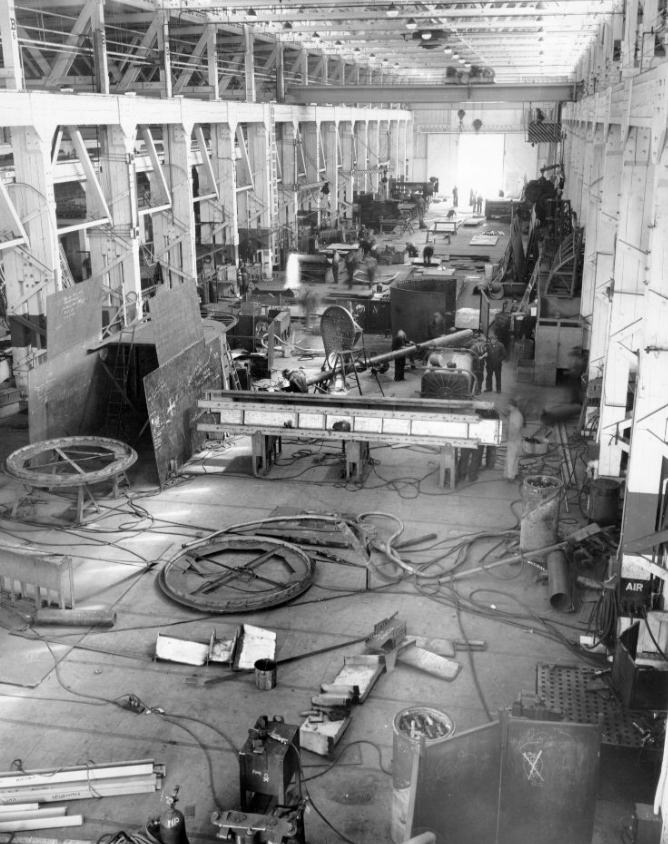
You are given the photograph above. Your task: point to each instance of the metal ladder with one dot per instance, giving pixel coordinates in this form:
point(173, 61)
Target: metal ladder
point(118, 397)
point(67, 279)
point(273, 180)
point(232, 376)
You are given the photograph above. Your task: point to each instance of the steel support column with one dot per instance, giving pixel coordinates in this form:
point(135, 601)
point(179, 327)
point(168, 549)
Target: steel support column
point(32, 273)
point(114, 251)
point(329, 135)
point(219, 222)
point(627, 290)
point(174, 229)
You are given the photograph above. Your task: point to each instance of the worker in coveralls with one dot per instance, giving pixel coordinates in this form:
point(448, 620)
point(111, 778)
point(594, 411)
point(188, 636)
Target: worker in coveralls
point(514, 440)
point(399, 341)
point(496, 354)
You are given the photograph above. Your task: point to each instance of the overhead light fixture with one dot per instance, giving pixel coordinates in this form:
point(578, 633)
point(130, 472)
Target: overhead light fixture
point(447, 51)
point(426, 35)
point(411, 23)
point(455, 55)
point(316, 36)
point(251, 13)
point(467, 65)
point(461, 61)
point(357, 50)
point(287, 25)
point(392, 11)
point(338, 43)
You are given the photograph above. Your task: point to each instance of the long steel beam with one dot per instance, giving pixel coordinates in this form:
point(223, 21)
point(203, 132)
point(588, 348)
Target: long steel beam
point(336, 95)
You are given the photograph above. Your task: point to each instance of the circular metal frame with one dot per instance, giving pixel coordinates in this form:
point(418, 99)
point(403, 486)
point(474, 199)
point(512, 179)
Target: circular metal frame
point(68, 461)
point(234, 573)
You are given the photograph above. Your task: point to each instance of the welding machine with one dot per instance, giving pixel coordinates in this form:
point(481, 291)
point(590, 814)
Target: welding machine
point(272, 808)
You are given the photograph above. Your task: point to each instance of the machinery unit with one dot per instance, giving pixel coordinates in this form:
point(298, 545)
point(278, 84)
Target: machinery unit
point(272, 808)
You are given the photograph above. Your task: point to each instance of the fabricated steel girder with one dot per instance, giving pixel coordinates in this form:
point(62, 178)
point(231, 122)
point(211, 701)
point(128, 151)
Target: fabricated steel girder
point(336, 95)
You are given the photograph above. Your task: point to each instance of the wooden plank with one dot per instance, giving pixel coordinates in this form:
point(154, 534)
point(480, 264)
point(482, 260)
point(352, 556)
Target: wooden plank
point(19, 807)
point(81, 772)
point(12, 814)
point(82, 791)
point(41, 823)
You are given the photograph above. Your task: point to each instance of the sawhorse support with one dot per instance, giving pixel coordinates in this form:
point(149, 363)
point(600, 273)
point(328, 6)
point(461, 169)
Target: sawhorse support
point(448, 466)
point(356, 454)
point(266, 448)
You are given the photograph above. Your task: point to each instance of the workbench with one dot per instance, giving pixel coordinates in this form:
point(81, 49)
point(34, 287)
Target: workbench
point(356, 421)
point(444, 226)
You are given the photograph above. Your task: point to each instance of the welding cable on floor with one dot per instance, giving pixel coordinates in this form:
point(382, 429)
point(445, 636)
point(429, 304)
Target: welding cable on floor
point(338, 759)
point(341, 835)
point(474, 673)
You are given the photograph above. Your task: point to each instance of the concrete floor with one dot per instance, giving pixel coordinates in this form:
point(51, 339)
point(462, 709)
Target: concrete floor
point(58, 685)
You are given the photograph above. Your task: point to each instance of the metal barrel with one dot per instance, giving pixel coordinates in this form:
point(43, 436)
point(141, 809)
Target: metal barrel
point(409, 740)
point(604, 501)
point(444, 340)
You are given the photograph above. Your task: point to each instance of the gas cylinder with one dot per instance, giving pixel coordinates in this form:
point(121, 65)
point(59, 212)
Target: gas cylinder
point(172, 822)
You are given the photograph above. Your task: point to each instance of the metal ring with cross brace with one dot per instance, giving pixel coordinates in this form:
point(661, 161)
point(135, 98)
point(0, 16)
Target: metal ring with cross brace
point(231, 574)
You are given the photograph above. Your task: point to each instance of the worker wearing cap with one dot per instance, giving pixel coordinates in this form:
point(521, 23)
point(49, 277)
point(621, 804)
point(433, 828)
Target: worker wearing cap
point(399, 341)
point(496, 354)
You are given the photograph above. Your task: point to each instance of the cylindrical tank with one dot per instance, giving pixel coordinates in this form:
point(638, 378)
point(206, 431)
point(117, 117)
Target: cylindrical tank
point(604, 501)
point(412, 728)
point(172, 822)
point(415, 300)
point(541, 500)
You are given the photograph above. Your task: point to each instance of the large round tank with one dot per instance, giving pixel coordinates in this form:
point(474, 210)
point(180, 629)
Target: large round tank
point(415, 300)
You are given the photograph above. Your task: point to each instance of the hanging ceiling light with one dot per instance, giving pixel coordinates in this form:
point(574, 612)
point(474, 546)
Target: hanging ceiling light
point(287, 25)
point(426, 35)
point(392, 11)
point(316, 36)
point(455, 55)
point(411, 23)
point(251, 13)
point(447, 51)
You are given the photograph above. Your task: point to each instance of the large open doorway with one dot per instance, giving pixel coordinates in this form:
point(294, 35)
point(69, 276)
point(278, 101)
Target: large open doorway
point(480, 166)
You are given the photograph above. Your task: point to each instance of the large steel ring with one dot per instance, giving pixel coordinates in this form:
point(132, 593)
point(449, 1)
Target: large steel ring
point(229, 573)
point(70, 461)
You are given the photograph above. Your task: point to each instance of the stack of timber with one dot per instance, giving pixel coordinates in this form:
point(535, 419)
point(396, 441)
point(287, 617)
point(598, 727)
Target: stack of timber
point(23, 816)
point(78, 783)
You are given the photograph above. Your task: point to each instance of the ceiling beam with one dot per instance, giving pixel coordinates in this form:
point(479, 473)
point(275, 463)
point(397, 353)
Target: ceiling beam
point(334, 95)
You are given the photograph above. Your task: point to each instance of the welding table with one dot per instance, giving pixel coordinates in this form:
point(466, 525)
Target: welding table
point(355, 421)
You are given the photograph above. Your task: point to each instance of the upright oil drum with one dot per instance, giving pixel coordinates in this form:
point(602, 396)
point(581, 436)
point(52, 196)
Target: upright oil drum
point(411, 727)
point(604, 501)
point(541, 501)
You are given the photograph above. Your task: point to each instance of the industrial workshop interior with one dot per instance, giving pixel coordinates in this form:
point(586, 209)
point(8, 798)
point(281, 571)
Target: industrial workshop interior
point(333, 422)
